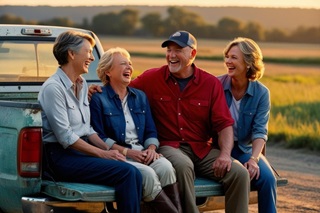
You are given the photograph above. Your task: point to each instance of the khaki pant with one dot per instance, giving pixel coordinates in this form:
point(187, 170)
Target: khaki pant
point(236, 183)
point(158, 174)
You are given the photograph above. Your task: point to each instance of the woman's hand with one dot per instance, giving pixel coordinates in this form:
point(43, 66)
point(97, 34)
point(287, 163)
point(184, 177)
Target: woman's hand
point(253, 169)
point(136, 155)
point(151, 156)
point(113, 155)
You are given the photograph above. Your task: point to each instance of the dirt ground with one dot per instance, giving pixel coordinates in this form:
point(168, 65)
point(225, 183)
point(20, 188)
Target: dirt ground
point(302, 169)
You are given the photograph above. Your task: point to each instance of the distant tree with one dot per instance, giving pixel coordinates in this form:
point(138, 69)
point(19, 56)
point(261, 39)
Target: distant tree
point(11, 19)
point(209, 31)
point(58, 22)
point(276, 35)
point(85, 24)
point(152, 24)
point(105, 23)
point(129, 20)
point(306, 35)
point(123, 23)
point(181, 19)
point(254, 31)
point(229, 28)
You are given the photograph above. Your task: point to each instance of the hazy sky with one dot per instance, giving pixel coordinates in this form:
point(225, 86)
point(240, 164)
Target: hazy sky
point(259, 3)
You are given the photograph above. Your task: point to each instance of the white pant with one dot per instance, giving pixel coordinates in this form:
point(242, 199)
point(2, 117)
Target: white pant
point(158, 174)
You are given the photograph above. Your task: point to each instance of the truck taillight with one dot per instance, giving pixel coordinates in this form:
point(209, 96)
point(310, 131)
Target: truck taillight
point(29, 152)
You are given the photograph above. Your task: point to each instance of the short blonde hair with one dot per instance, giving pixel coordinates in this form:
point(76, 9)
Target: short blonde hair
point(252, 56)
point(106, 62)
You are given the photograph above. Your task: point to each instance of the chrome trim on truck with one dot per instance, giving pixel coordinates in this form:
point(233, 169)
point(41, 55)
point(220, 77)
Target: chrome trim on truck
point(51, 205)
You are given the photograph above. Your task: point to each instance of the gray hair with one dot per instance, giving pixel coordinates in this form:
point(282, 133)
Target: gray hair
point(69, 40)
point(252, 56)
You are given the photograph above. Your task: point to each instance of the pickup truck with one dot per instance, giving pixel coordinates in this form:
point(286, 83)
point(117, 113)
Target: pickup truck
point(26, 62)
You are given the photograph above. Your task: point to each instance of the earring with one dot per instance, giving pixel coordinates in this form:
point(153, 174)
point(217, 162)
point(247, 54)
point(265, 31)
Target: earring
point(248, 68)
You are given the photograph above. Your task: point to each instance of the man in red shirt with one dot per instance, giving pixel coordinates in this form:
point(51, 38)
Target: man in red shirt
point(190, 112)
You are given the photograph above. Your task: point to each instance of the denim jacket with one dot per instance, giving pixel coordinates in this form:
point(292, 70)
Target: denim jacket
point(107, 117)
point(254, 112)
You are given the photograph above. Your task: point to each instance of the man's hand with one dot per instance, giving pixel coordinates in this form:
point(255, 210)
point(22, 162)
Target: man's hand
point(222, 165)
point(93, 89)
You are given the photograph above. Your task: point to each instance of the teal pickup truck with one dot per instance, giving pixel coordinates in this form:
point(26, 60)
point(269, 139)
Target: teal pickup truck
point(26, 62)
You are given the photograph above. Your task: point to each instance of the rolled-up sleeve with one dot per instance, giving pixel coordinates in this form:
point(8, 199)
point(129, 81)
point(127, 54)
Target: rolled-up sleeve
point(260, 123)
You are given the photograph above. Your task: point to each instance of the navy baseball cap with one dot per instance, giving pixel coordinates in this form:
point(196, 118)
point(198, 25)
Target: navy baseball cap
point(183, 39)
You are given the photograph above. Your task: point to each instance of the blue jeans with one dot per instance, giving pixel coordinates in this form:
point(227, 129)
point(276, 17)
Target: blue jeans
point(71, 165)
point(266, 185)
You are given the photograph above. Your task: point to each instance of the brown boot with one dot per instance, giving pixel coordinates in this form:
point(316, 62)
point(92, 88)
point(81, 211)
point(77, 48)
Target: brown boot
point(172, 192)
point(145, 207)
point(162, 204)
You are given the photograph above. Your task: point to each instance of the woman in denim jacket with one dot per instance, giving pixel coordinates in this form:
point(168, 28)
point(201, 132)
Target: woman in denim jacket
point(121, 116)
point(249, 104)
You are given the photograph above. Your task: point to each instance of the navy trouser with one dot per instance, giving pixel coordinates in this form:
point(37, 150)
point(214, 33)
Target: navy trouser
point(266, 184)
point(71, 165)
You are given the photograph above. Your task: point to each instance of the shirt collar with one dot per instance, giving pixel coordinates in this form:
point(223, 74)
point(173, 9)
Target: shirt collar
point(64, 79)
point(195, 74)
point(112, 93)
point(227, 86)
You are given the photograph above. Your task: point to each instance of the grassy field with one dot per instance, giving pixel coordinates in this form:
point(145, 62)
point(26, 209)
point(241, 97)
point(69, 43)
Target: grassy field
point(294, 83)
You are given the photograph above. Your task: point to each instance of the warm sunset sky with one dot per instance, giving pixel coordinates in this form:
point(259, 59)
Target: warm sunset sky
point(259, 3)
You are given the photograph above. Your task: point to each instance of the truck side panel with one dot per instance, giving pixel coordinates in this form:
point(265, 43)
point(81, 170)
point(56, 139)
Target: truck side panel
point(14, 117)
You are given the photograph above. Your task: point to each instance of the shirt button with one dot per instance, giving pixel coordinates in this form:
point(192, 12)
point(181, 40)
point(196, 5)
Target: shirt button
point(182, 139)
point(179, 113)
point(181, 128)
point(199, 104)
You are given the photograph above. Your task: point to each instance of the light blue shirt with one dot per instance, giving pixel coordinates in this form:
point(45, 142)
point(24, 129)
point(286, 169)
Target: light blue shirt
point(254, 112)
point(65, 118)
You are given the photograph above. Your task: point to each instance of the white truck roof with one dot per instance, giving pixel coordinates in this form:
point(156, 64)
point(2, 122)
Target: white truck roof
point(35, 30)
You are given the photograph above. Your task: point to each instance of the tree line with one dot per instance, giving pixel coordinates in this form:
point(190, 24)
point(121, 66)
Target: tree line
point(127, 22)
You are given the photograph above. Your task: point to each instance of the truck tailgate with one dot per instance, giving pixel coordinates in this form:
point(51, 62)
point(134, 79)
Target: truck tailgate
point(91, 192)
point(78, 191)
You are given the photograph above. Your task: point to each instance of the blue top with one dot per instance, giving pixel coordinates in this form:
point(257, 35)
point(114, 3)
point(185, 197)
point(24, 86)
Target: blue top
point(253, 114)
point(64, 117)
point(107, 117)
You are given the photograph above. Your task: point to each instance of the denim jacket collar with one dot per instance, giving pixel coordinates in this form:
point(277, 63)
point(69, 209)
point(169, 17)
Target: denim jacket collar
point(112, 94)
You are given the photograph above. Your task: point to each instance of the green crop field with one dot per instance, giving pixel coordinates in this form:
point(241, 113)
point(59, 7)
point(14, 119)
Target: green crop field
point(292, 75)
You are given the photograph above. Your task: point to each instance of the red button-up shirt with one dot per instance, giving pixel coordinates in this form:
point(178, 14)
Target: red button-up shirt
point(191, 116)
